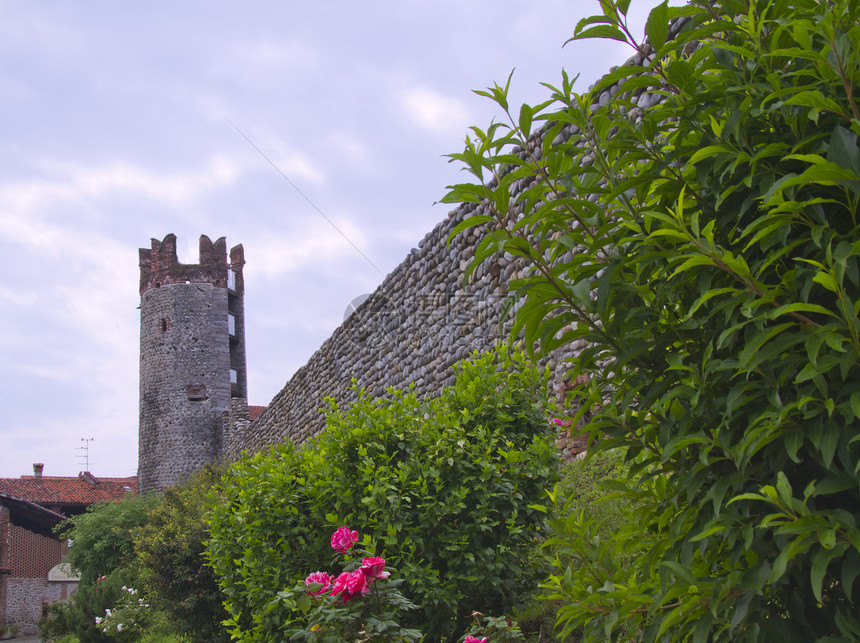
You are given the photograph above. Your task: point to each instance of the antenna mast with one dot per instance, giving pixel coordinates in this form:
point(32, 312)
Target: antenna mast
point(86, 450)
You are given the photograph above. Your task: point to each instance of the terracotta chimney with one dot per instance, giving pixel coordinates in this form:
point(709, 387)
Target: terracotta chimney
point(38, 467)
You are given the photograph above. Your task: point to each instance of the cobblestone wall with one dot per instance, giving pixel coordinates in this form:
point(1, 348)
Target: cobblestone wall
point(420, 320)
point(411, 330)
point(25, 598)
point(186, 354)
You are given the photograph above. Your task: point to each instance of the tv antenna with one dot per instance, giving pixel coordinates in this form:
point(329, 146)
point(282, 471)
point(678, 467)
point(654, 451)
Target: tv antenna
point(86, 454)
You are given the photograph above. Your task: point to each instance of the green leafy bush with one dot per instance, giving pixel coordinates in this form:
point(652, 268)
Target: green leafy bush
point(102, 550)
point(170, 566)
point(77, 615)
point(706, 248)
point(102, 536)
point(153, 543)
point(448, 487)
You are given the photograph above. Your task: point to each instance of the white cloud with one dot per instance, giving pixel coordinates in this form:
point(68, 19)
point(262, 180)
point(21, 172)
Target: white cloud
point(269, 150)
point(434, 111)
point(311, 243)
point(351, 147)
point(74, 184)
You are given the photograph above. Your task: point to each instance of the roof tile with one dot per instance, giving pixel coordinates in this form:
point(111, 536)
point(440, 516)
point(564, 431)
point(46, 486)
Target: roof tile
point(56, 490)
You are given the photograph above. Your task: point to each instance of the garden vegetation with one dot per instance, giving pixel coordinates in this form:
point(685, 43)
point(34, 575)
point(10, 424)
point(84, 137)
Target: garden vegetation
point(706, 248)
point(450, 489)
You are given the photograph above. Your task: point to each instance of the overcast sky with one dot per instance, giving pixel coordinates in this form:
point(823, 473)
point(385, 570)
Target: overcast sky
point(123, 121)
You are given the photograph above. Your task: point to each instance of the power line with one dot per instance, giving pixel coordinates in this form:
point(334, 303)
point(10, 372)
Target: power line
point(306, 198)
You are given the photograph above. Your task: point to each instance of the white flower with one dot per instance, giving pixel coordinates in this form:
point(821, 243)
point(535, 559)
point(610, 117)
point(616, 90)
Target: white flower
point(98, 619)
point(119, 627)
point(107, 613)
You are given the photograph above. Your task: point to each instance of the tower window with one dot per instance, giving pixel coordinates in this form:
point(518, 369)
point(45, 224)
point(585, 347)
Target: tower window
point(231, 279)
point(234, 376)
point(231, 324)
point(163, 325)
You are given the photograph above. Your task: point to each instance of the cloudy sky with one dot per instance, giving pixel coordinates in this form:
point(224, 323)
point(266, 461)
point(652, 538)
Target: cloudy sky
point(123, 121)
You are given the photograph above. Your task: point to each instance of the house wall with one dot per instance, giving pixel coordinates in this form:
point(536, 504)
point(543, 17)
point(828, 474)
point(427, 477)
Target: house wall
point(28, 557)
point(26, 596)
point(33, 555)
point(5, 559)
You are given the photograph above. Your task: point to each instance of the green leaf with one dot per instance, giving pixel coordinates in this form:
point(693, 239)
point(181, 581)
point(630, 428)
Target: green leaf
point(820, 561)
point(525, 121)
point(816, 100)
point(680, 572)
point(855, 404)
point(695, 260)
point(844, 150)
point(710, 151)
point(600, 31)
point(657, 25)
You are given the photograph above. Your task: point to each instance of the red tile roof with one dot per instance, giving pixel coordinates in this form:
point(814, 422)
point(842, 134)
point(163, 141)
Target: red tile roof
point(255, 411)
point(85, 489)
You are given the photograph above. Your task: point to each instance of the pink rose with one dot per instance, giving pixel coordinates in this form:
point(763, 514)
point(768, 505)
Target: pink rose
point(319, 577)
point(472, 639)
point(343, 539)
point(373, 568)
point(349, 584)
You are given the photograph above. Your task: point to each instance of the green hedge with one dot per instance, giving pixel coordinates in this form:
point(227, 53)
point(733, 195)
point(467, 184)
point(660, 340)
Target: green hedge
point(450, 488)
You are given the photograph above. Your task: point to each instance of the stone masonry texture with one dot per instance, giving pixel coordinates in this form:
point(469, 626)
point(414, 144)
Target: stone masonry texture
point(185, 359)
point(421, 320)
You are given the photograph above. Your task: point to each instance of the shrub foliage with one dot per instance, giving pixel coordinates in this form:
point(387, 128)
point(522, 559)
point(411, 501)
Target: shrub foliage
point(706, 248)
point(450, 489)
point(170, 566)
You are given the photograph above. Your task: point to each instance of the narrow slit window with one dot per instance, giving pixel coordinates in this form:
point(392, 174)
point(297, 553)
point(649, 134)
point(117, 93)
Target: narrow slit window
point(231, 279)
point(231, 324)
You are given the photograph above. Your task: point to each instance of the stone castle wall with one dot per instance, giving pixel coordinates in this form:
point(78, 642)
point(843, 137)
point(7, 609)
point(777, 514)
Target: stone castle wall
point(417, 324)
point(184, 379)
point(414, 327)
point(186, 355)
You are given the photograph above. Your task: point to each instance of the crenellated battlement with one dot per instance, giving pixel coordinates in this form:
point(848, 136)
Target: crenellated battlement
point(192, 357)
point(159, 265)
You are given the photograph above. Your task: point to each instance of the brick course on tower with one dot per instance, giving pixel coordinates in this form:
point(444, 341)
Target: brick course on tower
point(192, 357)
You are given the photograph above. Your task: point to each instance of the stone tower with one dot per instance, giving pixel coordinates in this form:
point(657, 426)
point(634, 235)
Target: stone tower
point(192, 357)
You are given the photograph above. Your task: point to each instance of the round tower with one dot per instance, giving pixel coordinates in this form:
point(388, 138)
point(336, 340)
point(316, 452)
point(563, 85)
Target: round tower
point(192, 356)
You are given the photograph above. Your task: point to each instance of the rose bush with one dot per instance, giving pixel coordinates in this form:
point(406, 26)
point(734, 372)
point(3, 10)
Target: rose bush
point(339, 608)
point(453, 487)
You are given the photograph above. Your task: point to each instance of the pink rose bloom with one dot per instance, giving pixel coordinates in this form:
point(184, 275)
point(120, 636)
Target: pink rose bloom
point(472, 639)
point(556, 422)
point(349, 584)
point(343, 539)
point(373, 568)
point(319, 577)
